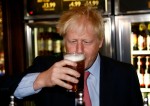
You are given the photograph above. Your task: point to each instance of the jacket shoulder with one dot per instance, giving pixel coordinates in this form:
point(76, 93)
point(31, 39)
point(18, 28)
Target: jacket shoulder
point(115, 64)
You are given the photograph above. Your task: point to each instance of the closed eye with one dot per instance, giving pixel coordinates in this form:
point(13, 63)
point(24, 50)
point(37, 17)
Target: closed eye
point(87, 42)
point(73, 41)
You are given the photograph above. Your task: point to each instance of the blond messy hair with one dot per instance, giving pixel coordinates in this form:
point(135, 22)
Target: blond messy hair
point(73, 19)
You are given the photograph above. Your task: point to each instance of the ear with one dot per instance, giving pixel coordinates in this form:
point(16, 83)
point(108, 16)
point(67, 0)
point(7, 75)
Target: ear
point(101, 42)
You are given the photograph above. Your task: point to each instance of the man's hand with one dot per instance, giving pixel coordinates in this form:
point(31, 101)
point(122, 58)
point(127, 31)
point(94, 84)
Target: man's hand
point(57, 74)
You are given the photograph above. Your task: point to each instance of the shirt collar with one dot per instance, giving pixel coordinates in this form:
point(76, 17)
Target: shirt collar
point(95, 68)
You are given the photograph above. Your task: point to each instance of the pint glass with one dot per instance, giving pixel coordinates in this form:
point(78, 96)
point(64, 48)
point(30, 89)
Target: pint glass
point(79, 59)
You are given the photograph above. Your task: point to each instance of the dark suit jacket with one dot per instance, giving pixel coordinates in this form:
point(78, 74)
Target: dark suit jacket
point(119, 85)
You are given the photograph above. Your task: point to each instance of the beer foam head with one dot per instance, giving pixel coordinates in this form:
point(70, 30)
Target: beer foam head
point(74, 57)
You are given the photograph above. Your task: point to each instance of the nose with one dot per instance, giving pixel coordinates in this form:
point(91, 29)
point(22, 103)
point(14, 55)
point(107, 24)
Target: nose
point(79, 48)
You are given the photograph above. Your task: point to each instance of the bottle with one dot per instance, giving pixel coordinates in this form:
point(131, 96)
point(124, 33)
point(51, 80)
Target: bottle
point(141, 79)
point(141, 70)
point(148, 69)
point(147, 79)
point(148, 42)
point(145, 102)
point(80, 101)
point(48, 42)
point(12, 102)
point(148, 37)
point(142, 38)
point(148, 63)
point(134, 41)
point(142, 64)
point(57, 44)
point(134, 36)
point(134, 61)
point(40, 41)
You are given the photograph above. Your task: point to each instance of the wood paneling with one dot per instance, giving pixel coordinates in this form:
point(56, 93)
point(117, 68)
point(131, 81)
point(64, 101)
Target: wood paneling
point(13, 28)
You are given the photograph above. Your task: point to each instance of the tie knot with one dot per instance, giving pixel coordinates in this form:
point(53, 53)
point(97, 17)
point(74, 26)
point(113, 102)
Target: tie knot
point(86, 74)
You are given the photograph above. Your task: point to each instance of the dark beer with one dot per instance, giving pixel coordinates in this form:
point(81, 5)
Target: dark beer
point(79, 59)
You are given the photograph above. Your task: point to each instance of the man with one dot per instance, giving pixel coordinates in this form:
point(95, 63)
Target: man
point(110, 83)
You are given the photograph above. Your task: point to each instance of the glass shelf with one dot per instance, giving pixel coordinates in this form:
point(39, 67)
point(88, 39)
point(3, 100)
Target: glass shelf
point(141, 52)
point(145, 89)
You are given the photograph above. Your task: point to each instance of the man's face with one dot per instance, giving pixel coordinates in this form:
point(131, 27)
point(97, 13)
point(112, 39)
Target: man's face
point(83, 41)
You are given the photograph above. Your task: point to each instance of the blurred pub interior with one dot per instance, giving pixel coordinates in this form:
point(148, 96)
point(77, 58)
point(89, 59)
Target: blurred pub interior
point(12, 48)
point(28, 29)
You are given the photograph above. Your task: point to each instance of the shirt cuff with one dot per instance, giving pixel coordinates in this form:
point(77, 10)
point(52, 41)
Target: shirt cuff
point(25, 87)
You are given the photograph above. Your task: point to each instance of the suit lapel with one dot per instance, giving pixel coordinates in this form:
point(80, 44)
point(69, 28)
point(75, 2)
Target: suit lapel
point(106, 83)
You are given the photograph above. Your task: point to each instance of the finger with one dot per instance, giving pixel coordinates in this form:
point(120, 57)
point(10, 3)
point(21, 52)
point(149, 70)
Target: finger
point(64, 74)
point(63, 84)
point(69, 78)
point(66, 62)
point(70, 72)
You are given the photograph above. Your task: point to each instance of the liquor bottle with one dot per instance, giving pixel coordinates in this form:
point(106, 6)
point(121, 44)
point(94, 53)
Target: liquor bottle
point(134, 61)
point(148, 63)
point(141, 79)
point(142, 64)
point(134, 41)
point(145, 102)
point(147, 72)
point(141, 70)
point(80, 101)
point(40, 41)
point(134, 36)
point(148, 69)
point(148, 37)
point(57, 44)
point(148, 42)
point(142, 38)
point(147, 78)
point(48, 42)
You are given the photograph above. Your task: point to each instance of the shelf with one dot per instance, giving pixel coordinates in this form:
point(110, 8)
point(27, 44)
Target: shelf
point(145, 90)
point(42, 17)
point(141, 52)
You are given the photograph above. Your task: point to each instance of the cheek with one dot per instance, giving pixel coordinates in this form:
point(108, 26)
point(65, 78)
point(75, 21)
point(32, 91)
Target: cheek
point(91, 55)
point(69, 48)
